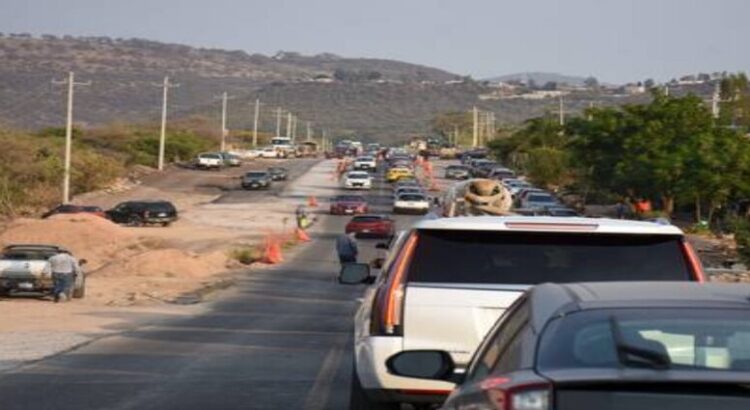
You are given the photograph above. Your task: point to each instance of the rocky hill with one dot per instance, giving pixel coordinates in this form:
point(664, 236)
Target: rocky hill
point(380, 99)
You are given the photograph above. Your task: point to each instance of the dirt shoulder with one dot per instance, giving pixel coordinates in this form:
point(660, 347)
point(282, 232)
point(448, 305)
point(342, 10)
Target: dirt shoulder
point(137, 275)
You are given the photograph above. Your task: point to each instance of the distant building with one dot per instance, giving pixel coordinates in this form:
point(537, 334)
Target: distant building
point(634, 89)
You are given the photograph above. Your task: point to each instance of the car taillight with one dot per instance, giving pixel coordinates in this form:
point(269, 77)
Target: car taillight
point(517, 397)
point(696, 267)
point(388, 310)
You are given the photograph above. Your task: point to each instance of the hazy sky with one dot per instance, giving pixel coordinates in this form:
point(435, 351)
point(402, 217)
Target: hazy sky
point(615, 40)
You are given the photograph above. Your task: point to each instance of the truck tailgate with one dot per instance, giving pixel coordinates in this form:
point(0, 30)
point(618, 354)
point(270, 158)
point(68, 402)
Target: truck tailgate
point(453, 317)
point(10, 269)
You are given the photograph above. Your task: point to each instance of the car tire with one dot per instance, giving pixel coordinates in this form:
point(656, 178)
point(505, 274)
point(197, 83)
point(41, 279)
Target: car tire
point(166, 224)
point(358, 400)
point(80, 292)
point(135, 220)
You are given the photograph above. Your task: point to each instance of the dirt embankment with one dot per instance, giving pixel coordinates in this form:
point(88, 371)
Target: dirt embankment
point(123, 268)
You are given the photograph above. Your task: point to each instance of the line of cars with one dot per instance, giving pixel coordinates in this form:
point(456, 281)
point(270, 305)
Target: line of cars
point(542, 313)
point(216, 160)
point(253, 180)
point(527, 199)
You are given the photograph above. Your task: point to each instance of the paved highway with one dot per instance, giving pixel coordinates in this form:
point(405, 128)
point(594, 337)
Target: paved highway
point(280, 339)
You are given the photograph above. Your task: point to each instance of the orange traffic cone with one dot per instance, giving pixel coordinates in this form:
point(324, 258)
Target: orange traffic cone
point(312, 201)
point(273, 252)
point(301, 235)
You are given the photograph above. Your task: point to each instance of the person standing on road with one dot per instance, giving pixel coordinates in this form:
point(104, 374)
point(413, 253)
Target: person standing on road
point(64, 269)
point(346, 248)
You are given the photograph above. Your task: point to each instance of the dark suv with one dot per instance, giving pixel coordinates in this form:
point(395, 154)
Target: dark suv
point(278, 173)
point(139, 213)
point(256, 180)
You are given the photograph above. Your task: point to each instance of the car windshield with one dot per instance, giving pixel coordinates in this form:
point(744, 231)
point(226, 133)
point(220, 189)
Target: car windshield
point(256, 174)
point(685, 339)
point(530, 258)
point(358, 176)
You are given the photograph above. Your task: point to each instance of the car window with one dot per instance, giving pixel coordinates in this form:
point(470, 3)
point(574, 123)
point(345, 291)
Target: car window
point(367, 218)
point(411, 197)
point(499, 340)
point(693, 339)
point(538, 257)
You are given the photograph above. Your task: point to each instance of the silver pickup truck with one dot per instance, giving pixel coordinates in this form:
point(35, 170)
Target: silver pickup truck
point(25, 268)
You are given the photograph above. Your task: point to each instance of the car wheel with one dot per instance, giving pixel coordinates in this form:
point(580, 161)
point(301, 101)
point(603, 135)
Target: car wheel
point(80, 291)
point(166, 224)
point(358, 400)
point(135, 220)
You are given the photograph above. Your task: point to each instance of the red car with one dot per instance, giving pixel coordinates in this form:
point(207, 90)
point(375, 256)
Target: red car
point(348, 205)
point(377, 226)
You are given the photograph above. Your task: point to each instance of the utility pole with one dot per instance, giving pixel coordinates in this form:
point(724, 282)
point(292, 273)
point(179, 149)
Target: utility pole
point(294, 128)
point(715, 109)
point(224, 97)
point(455, 135)
point(166, 85)
point(289, 125)
point(278, 121)
point(255, 123)
point(71, 83)
point(562, 111)
point(475, 142)
point(309, 132)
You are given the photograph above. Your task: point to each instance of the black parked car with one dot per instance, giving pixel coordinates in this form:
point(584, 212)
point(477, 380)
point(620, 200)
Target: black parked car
point(256, 180)
point(278, 173)
point(599, 346)
point(139, 213)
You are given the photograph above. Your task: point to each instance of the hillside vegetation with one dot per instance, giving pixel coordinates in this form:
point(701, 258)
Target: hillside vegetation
point(373, 98)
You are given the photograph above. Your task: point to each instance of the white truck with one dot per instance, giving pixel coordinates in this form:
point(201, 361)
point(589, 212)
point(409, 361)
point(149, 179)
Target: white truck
point(445, 282)
point(25, 268)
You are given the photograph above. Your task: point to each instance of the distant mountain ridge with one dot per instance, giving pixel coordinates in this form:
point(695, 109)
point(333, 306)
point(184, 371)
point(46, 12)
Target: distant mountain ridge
point(540, 78)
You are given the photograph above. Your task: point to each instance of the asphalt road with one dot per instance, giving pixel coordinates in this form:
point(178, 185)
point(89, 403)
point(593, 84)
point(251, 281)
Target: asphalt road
point(280, 339)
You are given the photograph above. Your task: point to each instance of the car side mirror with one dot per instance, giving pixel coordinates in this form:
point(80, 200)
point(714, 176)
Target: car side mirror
point(354, 273)
point(381, 245)
point(423, 364)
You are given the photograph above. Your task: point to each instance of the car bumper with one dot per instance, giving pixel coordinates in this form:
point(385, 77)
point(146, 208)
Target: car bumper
point(253, 185)
point(348, 211)
point(26, 284)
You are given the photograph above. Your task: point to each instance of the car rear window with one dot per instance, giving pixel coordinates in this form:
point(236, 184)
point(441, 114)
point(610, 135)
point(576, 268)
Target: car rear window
point(540, 198)
point(411, 197)
point(367, 218)
point(350, 199)
point(692, 339)
point(453, 256)
point(256, 174)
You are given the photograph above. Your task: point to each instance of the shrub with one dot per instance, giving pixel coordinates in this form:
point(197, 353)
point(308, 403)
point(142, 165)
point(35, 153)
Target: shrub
point(246, 255)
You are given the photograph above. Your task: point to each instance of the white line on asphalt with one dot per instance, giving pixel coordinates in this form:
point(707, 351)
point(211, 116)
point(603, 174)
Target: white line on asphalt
point(317, 398)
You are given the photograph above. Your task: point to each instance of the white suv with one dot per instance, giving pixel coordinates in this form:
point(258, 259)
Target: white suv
point(365, 164)
point(445, 282)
